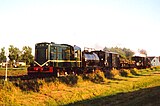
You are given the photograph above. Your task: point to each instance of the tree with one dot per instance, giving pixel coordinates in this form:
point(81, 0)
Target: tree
point(106, 49)
point(142, 51)
point(27, 54)
point(123, 52)
point(2, 55)
point(128, 53)
point(14, 54)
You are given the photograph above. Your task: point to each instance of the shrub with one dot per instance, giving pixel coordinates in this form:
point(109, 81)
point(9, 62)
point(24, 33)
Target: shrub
point(29, 85)
point(113, 73)
point(156, 68)
point(69, 80)
point(95, 77)
point(125, 72)
point(135, 71)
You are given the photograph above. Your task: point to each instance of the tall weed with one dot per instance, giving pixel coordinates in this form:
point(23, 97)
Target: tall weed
point(8, 94)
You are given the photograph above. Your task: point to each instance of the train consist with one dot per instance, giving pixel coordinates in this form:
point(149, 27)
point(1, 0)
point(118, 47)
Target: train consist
point(62, 59)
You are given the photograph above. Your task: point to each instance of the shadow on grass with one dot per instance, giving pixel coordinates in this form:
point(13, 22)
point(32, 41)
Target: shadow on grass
point(33, 83)
point(28, 85)
point(118, 79)
point(138, 75)
point(156, 73)
point(142, 97)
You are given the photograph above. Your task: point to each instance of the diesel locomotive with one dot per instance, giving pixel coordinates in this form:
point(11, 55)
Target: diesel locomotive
point(54, 58)
point(62, 59)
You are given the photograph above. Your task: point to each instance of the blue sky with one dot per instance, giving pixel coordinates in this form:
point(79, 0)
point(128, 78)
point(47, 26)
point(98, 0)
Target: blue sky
point(132, 24)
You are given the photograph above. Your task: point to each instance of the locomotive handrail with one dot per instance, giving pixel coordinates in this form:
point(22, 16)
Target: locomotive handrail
point(56, 61)
point(45, 63)
point(42, 64)
point(64, 61)
point(37, 63)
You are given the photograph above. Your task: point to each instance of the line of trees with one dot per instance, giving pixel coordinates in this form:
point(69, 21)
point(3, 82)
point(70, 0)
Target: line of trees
point(124, 52)
point(16, 55)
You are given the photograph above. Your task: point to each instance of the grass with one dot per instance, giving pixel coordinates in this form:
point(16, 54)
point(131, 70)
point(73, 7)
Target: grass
point(13, 71)
point(79, 90)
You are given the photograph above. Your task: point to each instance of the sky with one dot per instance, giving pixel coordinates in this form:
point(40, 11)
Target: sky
point(133, 24)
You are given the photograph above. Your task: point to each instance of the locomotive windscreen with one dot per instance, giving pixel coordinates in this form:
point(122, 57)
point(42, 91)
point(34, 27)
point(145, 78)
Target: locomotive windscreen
point(41, 53)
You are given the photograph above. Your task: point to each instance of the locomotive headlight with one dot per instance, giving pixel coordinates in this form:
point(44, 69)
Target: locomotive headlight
point(47, 64)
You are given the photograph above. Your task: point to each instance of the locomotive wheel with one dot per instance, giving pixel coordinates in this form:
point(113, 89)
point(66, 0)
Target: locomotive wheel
point(30, 74)
point(56, 73)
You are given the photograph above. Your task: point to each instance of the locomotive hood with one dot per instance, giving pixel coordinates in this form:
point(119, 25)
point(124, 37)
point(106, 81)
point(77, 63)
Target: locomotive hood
point(91, 56)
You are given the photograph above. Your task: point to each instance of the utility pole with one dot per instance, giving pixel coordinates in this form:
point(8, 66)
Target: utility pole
point(6, 52)
point(6, 71)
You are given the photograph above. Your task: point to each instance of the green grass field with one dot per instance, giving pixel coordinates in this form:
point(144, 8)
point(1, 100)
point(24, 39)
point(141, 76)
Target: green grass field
point(92, 89)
